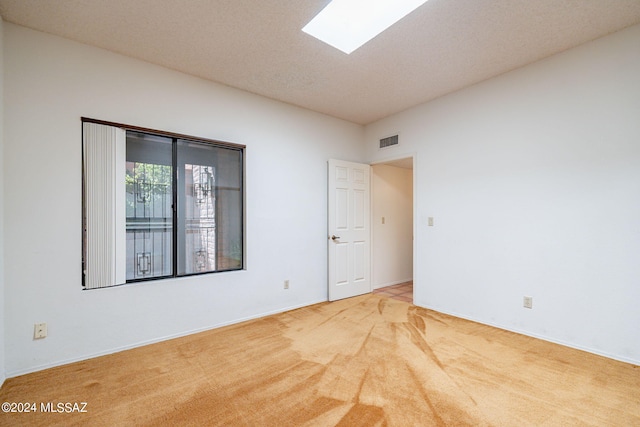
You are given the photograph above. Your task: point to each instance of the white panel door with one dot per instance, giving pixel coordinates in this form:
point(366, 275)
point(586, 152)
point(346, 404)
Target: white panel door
point(349, 230)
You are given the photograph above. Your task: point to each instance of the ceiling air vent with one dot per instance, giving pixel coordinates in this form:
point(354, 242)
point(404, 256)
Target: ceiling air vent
point(389, 141)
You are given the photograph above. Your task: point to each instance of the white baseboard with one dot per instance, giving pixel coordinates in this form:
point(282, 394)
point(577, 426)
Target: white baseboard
point(42, 367)
point(540, 337)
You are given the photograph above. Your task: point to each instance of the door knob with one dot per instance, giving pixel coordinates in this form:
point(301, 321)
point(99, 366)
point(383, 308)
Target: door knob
point(334, 237)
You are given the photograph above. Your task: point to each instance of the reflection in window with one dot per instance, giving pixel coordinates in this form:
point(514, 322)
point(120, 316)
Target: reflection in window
point(149, 223)
point(200, 219)
point(209, 208)
point(149, 215)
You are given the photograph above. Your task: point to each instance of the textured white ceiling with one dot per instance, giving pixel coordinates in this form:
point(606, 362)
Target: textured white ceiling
point(258, 45)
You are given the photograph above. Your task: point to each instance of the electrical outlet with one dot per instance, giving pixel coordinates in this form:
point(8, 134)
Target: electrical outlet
point(527, 302)
point(286, 284)
point(39, 331)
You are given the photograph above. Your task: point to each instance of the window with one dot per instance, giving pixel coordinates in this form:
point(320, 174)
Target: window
point(158, 205)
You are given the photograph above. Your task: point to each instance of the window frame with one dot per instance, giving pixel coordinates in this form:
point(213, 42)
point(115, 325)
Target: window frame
point(176, 137)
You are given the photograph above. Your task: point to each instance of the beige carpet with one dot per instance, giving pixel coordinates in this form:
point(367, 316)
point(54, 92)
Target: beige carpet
point(365, 361)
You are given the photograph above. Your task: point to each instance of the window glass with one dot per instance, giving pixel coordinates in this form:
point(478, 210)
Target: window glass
point(149, 198)
point(209, 208)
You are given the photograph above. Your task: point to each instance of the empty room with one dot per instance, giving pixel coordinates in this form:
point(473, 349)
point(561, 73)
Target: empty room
point(267, 213)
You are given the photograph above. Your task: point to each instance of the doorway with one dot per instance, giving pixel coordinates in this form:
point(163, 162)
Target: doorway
point(392, 228)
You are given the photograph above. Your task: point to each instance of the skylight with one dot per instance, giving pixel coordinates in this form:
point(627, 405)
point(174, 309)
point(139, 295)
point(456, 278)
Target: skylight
point(348, 24)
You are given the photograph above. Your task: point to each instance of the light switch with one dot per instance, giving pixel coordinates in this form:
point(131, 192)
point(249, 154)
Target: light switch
point(383, 220)
point(430, 221)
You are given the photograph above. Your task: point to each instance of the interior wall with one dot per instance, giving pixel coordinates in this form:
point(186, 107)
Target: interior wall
point(50, 84)
point(392, 199)
point(533, 181)
point(2, 299)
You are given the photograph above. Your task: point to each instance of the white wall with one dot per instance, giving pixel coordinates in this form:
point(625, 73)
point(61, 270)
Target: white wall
point(392, 198)
point(533, 179)
point(50, 84)
point(2, 304)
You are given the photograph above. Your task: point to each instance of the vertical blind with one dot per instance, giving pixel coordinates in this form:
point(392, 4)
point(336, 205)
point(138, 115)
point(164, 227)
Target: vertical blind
point(104, 157)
